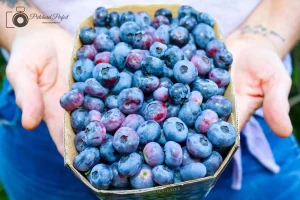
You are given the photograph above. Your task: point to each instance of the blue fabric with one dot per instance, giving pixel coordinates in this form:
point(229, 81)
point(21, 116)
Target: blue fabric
point(32, 169)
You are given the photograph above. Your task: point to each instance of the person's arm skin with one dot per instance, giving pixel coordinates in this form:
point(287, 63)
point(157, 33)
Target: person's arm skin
point(258, 74)
point(38, 70)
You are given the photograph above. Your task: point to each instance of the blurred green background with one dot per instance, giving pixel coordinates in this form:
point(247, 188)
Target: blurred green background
point(294, 96)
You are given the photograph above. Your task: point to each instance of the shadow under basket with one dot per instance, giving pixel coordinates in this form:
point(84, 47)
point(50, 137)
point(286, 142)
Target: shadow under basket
point(194, 189)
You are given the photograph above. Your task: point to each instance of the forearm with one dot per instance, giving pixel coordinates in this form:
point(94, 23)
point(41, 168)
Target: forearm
point(276, 21)
point(8, 35)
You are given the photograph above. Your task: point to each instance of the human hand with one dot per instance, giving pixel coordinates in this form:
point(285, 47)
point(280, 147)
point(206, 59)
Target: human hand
point(38, 71)
point(260, 79)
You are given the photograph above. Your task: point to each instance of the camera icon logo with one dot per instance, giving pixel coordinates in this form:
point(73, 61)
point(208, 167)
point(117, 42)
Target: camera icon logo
point(19, 19)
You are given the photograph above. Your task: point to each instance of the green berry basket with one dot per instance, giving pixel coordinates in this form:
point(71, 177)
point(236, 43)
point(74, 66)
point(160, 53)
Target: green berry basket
point(194, 189)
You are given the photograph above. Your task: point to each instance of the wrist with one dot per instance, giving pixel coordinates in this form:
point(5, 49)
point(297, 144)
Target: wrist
point(257, 39)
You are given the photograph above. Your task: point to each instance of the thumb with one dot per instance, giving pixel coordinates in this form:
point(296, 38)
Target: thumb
point(28, 94)
point(275, 104)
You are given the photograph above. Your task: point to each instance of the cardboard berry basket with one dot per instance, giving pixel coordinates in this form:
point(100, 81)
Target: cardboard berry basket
point(194, 189)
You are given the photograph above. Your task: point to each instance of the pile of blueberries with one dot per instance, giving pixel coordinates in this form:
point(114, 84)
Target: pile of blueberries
point(147, 105)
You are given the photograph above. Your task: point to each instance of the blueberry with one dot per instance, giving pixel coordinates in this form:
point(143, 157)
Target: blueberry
point(106, 74)
point(167, 72)
point(148, 131)
point(221, 134)
point(114, 19)
point(108, 152)
point(87, 35)
point(189, 113)
point(148, 29)
point(174, 23)
point(77, 119)
point(103, 43)
point(173, 154)
point(187, 159)
point(93, 103)
point(221, 91)
point(111, 101)
point(86, 159)
point(185, 72)
point(101, 176)
point(173, 55)
point(203, 122)
point(162, 138)
point(162, 34)
point(203, 34)
point(201, 52)
point(198, 146)
point(94, 88)
point(146, 83)
point(212, 163)
point(178, 93)
point(186, 10)
point(126, 17)
point(214, 46)
point(95, 133)
point(220, 104)
point(134, 59)
point(189, 50)
point(179, 36)
point(165, 12)
point(192, 171)
point(196, 96)
point(202, 63)
point(160, 20)
point(93, 115)
point(165, 82)
point(153, 154)
point(118, 180)
point(102, 30)
point(152, 65)
point(79, 86)
point(118, 55)
point(126, 140)
point(156, 111)
point(127, 31)
point(86, 52)
point(223, 59)
point(206, 19)
point(175, 129)
point(142, 40)
point(124, 82)
point(143, 19)
point(130, 165)
point(158, 49)
point(188, 22)
point(100, 16)
point(162, 175)
point(82, 69)
point(71, 100)
point(206, 87)
point(80, 141)
point(176, 172)
point(172, 110)
point(112, 119)
point(130, 100)
point(102, 57)
point(133, 121)
point(220, 76)
point(161, 94)
point(143, 179)
point(114, 34)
